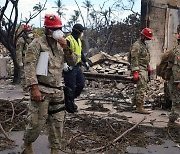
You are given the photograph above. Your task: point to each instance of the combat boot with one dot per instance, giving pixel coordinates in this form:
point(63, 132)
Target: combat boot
point(140, 109)
point(54, 151)
point(27, 149)
point(173, 124)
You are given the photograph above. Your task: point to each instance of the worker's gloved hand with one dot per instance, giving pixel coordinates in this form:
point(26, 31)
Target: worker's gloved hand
point(149, 73)
point(36, 94)
point(136, 75)
point(66, 67)
point(87, 65)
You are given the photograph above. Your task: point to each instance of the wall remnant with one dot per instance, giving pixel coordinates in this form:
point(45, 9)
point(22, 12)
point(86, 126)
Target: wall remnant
point(163, 16)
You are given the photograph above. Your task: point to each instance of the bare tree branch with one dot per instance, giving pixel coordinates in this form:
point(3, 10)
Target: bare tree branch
point(80, 12)
point(4, 132)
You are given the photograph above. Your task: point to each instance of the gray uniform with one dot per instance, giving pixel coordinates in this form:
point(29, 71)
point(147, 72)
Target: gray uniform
point(51, 109)
point(174, 80)
point(140, 58)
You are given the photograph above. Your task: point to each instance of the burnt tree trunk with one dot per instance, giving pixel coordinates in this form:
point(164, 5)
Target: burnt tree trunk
point(17, 74)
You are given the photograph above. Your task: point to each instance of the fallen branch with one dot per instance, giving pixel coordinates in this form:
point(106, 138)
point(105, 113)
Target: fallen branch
point(170, 135)
point(119, 137)
point(12, 117)
point(72, 138)
point(111, 127)
point(4, 132)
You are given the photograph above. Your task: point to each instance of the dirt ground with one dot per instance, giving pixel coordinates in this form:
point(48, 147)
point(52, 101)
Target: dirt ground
point(102, 124)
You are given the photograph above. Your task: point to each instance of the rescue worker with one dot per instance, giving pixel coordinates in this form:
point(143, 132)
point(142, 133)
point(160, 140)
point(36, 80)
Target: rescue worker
point(174, 87)
point(73, 76)
point(140, 58)
point(22, 43)
point(46, 93)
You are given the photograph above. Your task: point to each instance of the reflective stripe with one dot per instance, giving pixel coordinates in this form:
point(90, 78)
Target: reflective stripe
point(75, 46)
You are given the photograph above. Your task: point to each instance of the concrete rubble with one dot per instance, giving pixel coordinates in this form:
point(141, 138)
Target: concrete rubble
point(106, 64)
point(6, 64)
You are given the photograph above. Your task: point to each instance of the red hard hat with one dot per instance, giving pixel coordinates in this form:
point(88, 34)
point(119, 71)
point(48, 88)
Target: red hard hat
point(26, 27)
point(178, 36)
point(147, 32)
point(52, 21)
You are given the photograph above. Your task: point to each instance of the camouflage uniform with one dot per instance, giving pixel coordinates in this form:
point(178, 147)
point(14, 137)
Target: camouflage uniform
point(174, 80)
point(51, 109)
point(20, 49)
point(20, 53)
point(140, 58)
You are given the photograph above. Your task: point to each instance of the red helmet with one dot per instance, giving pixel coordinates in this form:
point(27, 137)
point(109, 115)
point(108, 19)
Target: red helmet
point(52, 21)
point(147, 32)
point(178, 36)
point(26, 27)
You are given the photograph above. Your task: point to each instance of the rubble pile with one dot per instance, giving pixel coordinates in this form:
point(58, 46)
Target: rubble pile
point(6, 63)
point(121, 94)
point(112, 75)
point(3, 51)
point(106, 64)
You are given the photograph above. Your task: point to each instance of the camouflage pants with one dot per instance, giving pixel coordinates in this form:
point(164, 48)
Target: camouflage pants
point(38, 116)
point(175, 97)
point(141, 88)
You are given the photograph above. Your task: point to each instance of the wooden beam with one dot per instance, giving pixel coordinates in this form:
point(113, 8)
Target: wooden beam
point(122, 78)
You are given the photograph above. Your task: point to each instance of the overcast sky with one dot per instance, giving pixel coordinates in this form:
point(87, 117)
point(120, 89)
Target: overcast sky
point(26, 6)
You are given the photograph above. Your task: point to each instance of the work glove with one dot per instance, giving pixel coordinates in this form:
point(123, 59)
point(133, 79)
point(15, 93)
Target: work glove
point(136, 75)
point(87, 65)
point(149, 73)
point(66, 67)
point(36, 94)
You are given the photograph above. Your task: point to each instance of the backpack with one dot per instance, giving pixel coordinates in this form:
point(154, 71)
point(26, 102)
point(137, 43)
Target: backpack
point(164, 69)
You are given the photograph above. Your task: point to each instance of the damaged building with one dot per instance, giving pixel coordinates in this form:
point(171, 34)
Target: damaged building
point(163, 16)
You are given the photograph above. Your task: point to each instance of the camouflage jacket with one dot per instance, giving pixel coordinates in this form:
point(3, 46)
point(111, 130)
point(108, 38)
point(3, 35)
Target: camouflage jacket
point(21, 47)
point(140, 56)
point(176, 65)
point(55, 64)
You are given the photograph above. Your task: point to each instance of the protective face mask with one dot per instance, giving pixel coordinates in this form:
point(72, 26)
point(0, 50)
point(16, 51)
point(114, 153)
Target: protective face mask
point(30, 35)
point(57, 34)
point(147, 42)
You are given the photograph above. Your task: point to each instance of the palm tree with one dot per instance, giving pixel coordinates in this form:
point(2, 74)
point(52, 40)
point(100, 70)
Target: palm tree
point(87, 5)
point(60, 7)
point(74, 18)
point(39, 7)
